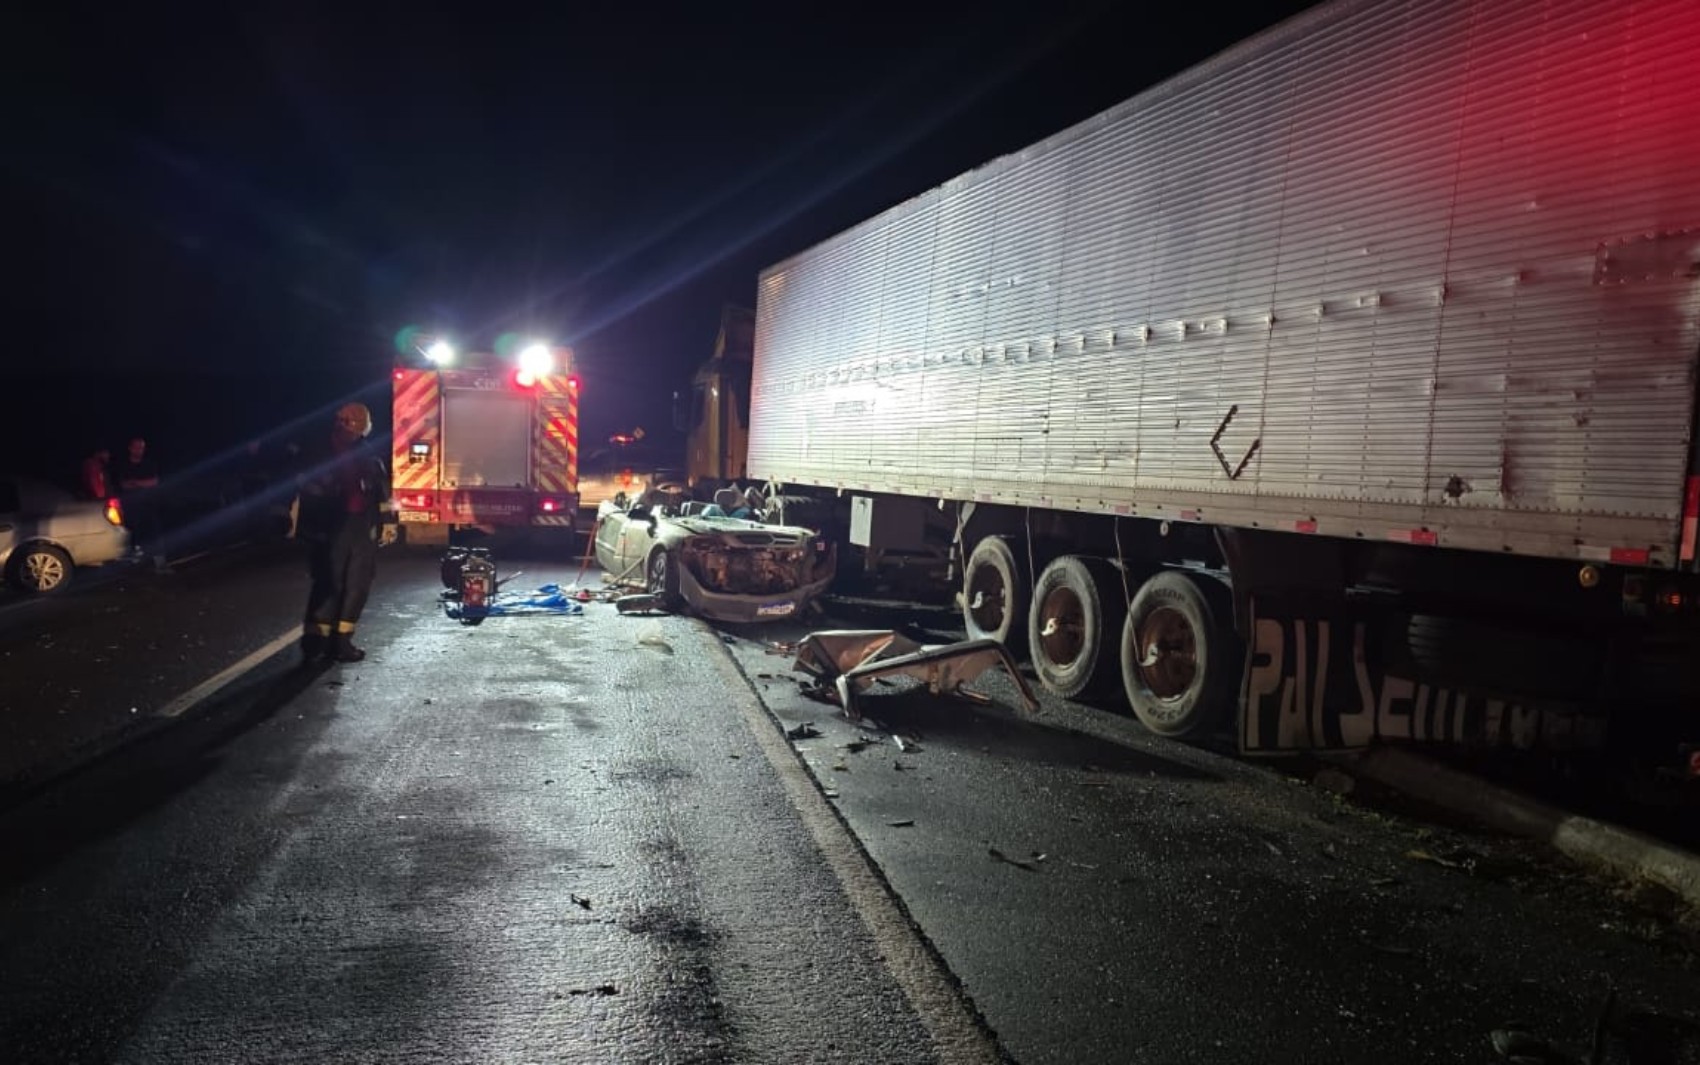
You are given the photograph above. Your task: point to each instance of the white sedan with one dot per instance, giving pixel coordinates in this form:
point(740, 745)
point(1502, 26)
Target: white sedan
point(45, 533)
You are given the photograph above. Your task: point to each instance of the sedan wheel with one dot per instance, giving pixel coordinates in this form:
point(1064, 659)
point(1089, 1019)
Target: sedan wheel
point(41, 568)
point(660, 580)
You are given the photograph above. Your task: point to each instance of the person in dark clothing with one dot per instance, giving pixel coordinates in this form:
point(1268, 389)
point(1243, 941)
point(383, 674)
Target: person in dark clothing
point(342, 512)
point(138, 486)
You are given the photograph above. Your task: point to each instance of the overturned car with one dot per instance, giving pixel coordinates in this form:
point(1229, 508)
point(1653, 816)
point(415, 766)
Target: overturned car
point(721, 568)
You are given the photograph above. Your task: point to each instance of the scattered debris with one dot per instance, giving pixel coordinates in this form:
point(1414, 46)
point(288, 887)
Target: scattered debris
point(1435, 859)
point(642, 603)
point(805, 731)
point(730, 641)
point(1006, 859)
point(907, 822)
point(1524, 1048)
point(906, 746)
point(1334, 781)
point(847, 661)
point(858, 745)
point(652, 638)
point(580, 901)
point(599, 991)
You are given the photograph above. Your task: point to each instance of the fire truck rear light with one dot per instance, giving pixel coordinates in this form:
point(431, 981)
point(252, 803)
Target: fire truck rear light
point(524, 379)
point(417, 500)
point(548, 506)
point(114, 512)
point(1669, 600)
point(572, 382)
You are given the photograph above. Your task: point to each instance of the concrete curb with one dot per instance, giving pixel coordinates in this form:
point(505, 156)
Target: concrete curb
point(1602, 846)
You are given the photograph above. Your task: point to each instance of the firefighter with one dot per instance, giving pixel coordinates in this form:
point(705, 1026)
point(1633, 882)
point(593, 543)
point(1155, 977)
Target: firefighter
point(343, 512)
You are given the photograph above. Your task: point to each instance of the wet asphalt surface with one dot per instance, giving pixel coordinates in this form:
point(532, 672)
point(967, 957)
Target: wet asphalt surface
point(384, 862)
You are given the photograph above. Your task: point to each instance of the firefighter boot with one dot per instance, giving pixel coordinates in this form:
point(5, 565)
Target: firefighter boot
point(316, 643)
point(342, 648)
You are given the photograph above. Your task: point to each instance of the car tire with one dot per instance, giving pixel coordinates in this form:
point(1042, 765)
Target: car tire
point(1074, 624)
point(994, 595)
point(661, 579)
point(40, 569)
point(1181, 662)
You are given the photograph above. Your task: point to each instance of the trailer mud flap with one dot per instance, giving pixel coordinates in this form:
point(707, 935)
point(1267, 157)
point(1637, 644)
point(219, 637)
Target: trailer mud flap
point(1331, 676)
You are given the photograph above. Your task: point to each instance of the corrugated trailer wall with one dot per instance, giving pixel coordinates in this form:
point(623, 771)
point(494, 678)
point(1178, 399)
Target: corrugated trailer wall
point(1440, 259)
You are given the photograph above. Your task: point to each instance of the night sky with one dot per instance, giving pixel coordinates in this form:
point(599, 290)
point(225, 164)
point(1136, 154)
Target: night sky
point(218, 220)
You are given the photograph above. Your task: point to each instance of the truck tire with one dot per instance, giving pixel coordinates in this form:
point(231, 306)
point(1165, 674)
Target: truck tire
point(1179, 657)
point(1073, 626)
point(994, 595)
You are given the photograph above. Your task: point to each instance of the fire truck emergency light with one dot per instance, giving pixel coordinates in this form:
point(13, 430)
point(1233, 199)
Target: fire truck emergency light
point(537, 361)
point(442, 353)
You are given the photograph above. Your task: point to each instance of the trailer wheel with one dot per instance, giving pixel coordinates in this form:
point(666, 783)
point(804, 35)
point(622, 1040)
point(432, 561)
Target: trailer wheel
point(1077, 611)
point(1178, 657)
point(661, 579)
point(994, 596)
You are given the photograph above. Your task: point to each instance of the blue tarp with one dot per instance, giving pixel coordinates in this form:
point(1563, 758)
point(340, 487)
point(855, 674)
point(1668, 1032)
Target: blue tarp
point(549, 600)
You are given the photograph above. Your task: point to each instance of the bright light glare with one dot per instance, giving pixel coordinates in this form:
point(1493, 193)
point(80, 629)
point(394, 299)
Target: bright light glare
point(442, 353)
point(537, 360)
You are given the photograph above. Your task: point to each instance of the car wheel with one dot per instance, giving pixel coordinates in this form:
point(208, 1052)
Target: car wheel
point(1180, 659)
point(40, 569)
point(1073, 626)
point(660, 580)
point(994, 595)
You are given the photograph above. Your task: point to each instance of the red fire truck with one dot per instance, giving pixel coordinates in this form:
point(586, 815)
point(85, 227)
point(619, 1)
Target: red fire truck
point(487, 442)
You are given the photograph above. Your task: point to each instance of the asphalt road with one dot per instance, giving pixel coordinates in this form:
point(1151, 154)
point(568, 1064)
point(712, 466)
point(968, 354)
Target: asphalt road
point(385, 862)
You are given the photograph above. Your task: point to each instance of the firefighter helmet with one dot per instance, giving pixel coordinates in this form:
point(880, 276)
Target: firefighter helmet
point(354, 419)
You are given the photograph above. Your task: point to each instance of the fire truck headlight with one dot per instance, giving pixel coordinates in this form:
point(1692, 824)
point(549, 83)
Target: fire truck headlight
point(442, 353)
point(537, 360)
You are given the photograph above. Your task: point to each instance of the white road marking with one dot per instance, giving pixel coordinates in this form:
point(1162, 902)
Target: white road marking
point(918, 971)
point(218, 680)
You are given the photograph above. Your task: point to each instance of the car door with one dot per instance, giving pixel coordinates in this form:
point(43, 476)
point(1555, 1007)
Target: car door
point(610, 527)
point(636, 534)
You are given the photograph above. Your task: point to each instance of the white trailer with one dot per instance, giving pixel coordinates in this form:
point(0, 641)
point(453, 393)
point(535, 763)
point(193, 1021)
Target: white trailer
point(1353, 369)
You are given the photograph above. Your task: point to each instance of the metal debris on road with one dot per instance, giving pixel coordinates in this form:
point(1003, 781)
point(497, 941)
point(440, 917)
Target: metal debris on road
point(600, 990)
point(1435, 859)
point(857, 746)
point(805, 731)
point(1006, 859)
point(907, 822)
point(644, 603)
point(906, 746)
point(580, 901)
point(848, 661)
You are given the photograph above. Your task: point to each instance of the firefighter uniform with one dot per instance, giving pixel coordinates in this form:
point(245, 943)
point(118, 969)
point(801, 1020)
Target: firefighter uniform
point(343, 509)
